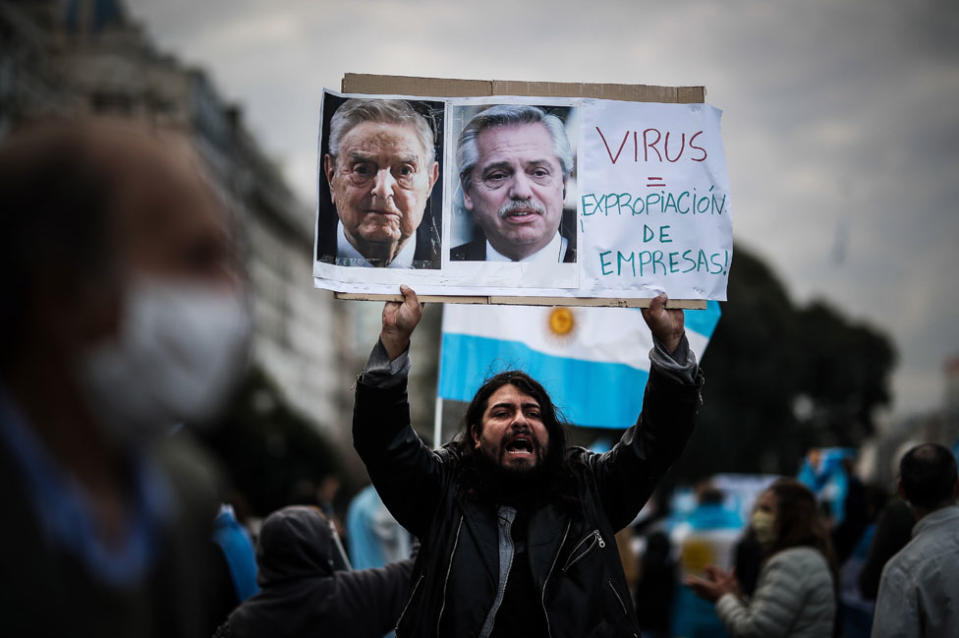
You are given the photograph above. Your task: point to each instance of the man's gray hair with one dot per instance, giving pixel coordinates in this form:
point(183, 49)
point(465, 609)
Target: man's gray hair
point(358, 110)
point(467, 155)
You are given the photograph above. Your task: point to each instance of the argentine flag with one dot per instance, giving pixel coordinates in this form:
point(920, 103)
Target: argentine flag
point(594, 362)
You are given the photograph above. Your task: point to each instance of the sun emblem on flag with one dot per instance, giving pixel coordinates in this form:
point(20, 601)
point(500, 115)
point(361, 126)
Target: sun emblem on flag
point(562, 323)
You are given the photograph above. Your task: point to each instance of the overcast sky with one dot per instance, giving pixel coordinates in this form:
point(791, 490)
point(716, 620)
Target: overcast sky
point(841, 119)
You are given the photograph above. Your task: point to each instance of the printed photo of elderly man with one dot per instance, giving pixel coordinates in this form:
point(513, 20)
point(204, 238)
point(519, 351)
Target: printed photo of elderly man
point(380, 192)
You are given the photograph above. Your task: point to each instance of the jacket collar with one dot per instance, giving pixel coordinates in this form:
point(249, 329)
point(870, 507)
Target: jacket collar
point(949, 515)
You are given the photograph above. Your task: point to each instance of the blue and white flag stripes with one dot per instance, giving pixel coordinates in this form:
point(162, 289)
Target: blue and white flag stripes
point(594, 362)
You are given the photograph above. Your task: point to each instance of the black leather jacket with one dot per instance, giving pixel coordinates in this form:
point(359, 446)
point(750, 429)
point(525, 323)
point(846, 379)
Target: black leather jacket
point(574, 561)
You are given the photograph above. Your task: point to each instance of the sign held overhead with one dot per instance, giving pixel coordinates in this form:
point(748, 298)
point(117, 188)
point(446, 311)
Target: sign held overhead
point(527, 198)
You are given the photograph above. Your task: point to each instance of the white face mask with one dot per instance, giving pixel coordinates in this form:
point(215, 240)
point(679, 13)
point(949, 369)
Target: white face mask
point(179, 351)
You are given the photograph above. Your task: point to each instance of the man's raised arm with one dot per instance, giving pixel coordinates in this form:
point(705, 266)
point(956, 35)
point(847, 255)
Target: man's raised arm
point(399, 464)
point(670, 353)
point(627, 474)
point(399, 321)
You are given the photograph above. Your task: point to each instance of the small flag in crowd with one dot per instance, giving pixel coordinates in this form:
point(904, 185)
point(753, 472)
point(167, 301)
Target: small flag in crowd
point(594, 362)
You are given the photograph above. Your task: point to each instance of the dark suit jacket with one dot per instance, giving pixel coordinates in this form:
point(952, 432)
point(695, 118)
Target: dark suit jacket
point(476, 249)
point(427, 253)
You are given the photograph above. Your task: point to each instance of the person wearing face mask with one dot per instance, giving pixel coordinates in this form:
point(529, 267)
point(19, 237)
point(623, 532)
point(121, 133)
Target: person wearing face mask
point(795, 595)
point(123, 316)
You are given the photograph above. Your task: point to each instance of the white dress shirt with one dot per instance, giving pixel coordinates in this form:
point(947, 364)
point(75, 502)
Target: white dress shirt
point(551, 252)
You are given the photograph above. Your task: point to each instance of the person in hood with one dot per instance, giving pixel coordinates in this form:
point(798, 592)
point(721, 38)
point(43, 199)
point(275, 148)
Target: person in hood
point(301, 594)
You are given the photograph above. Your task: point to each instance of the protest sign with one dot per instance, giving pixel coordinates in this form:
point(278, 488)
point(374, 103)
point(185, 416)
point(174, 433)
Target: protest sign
point(655, 208)
point(481, 198)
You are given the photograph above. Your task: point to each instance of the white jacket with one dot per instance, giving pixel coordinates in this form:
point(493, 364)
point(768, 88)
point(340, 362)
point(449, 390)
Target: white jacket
point(794, 598)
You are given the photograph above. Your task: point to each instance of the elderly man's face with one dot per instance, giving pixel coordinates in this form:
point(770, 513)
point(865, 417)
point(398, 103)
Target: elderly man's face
point(516, 195)
point(380, 183)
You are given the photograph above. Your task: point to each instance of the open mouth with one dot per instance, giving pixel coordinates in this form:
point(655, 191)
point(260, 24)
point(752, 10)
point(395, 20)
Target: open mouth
point(520, 446)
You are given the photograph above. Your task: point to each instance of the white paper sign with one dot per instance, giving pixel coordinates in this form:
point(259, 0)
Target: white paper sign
point(654, 201)
point(538, 197)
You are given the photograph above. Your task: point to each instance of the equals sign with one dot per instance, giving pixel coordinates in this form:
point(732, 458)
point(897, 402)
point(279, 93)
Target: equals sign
point(655, 182)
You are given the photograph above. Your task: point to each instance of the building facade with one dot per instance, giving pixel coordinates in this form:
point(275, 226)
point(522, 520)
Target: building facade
point(87, 57)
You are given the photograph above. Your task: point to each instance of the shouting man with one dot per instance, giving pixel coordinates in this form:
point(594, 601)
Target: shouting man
point(517, 530)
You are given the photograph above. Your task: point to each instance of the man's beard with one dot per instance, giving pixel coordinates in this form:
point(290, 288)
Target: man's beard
point(502, 484)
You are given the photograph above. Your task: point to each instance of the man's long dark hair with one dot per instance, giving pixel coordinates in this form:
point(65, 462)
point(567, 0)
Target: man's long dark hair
point(552, 478)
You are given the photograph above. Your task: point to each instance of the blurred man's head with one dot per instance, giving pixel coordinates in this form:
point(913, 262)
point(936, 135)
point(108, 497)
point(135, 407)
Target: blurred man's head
point(381, 168)
point(927, 476)
point(119, 270)
point(514, 161)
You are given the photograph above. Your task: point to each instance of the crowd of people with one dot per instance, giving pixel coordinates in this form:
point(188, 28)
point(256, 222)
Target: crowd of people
point(779, 573)
point(803, 564)
point(126, 315)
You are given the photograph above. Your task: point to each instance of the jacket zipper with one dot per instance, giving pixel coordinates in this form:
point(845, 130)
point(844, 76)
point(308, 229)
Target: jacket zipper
point(574, 558)
point(549, 631)
point(409, 600)
point(618, 597)
point(449, 568)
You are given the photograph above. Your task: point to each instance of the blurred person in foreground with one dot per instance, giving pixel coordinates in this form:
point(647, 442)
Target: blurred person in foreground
point(517, 529)
point(919, 588)
point(302, 594)
point(795, 595)
point(123, 316)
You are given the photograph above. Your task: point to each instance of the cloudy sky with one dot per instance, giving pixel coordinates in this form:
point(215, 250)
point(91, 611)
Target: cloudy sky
point(841, 119)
